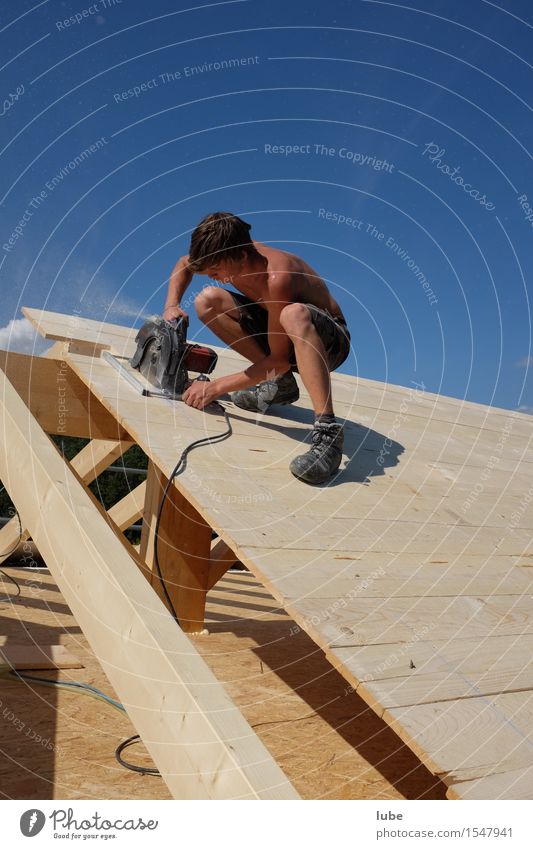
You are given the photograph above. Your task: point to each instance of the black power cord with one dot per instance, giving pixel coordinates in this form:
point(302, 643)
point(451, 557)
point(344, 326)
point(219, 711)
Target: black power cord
point(143, 770)
point(13, 581)
point(89, 690)
point(180, 467)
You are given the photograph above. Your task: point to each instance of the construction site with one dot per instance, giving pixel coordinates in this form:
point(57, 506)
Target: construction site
point(369, 639)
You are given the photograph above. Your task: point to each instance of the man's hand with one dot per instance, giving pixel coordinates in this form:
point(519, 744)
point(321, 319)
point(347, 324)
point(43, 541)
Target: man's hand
point(201, 393)
point(172, 312)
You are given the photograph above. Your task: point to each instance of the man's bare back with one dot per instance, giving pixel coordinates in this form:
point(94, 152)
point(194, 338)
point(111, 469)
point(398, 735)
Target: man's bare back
point(307, 286)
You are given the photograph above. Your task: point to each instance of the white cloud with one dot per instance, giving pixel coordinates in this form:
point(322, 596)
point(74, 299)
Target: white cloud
point(525, 362)
point(19, 335)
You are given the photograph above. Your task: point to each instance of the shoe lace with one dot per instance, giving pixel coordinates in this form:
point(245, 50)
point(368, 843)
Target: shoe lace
point(321, 435)
point(267, 389)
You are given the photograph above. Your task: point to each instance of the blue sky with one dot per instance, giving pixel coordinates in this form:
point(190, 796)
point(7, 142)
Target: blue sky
point(387, 144)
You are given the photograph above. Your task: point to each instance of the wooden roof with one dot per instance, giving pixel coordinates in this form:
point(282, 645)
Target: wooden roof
point(411, 569)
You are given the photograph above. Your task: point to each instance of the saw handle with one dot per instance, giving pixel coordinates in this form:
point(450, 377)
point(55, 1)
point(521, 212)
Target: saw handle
point(174, 311)
point(175, 322)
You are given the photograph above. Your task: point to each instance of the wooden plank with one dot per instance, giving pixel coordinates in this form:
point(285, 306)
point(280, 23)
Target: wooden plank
point(479, 658)
point(10, 537)
point(395, 502)
point(184, 547)
point(514, 784)
point(356, 622)
point(463, 740)
point(129, 509)
point(88, 463)
point(445, 477)
point(31, 656)
point(361, 444)
point(359, 394)
point(338, 574)
point(57, 398)
point(221, 558)
point(155, 487)
point(391, 504)
point(74, 328)
point(97, 455)
point(372, 535)
point(419, 689)
point(56, 351)
point(199, 741)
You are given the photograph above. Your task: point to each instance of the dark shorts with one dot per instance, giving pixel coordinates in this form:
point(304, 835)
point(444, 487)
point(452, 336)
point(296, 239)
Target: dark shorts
point(333, 331)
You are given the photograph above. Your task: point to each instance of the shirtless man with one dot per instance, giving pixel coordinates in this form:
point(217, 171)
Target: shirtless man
point(282, 319)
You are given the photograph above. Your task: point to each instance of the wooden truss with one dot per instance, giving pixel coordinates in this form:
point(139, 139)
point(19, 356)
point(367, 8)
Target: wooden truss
point(412, 571)
point(201, 743)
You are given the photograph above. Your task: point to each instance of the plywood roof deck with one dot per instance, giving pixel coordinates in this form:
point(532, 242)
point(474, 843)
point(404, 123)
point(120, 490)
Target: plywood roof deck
point(278, 678)
point(412, 569)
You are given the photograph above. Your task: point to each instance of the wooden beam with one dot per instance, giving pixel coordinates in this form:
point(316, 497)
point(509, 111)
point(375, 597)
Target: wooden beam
point(199, 741)
point(58, 399)
point(221, 559)
point(155, 484)
point(184, 548)
point(88, 463)
point(129, 509)
point(56, 351)
point(96, 456)
point(11, 538)
point(82, 335)
point(25, 554)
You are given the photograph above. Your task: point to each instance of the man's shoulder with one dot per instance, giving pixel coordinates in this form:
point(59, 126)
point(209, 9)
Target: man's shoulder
point(278, 255)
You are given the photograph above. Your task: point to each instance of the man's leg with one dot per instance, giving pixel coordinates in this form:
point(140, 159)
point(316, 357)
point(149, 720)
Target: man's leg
point(217, 310)
point(325, 454)
point(311, 357)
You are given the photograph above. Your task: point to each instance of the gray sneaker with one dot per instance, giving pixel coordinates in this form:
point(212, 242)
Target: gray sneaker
point(278, 390)
point(324, 457)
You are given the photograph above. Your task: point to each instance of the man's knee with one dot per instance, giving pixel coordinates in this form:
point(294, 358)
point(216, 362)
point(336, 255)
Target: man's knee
point(295, 319)
point(211, 302)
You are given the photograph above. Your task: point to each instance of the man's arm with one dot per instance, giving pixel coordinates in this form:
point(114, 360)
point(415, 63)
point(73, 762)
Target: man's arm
point(179, 280)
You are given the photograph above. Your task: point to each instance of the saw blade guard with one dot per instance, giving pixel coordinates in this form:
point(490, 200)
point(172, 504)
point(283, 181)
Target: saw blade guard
point(160, 354)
